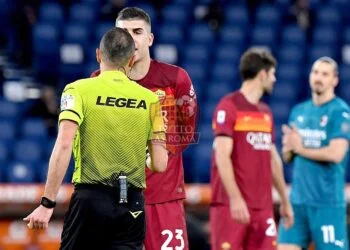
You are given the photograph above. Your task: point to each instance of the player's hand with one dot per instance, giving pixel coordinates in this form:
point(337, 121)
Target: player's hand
point(39, 218)
point(239, 211)
point(291, 139)
point(287, 214)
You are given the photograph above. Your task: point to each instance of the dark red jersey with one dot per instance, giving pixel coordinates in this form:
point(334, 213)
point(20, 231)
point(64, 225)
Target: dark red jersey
point(252, 130)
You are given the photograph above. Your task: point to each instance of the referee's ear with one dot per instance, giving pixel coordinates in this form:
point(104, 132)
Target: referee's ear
point(131, 61)
point(98, 56)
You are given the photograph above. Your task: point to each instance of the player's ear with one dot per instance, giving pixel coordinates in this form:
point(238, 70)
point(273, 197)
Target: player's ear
point(150, 39)
point(336, 81)
point(262, 74)
point(98, 55)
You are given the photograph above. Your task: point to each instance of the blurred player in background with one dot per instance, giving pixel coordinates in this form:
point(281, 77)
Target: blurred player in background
point(245, 163)
point(317, 142)
point(165, 215)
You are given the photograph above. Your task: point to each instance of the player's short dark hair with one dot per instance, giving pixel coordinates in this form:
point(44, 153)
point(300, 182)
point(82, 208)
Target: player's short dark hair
point(253, 61)
point(330, 61)
point(117, 47)
point(134, 13)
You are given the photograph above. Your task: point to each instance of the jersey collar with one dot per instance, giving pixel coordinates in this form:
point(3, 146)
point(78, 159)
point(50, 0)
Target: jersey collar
point(115, 74)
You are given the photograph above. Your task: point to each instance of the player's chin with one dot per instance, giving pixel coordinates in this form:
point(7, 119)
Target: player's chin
point(268, 91)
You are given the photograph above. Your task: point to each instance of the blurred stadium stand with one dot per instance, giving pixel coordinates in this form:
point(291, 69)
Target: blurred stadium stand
point(64, 39)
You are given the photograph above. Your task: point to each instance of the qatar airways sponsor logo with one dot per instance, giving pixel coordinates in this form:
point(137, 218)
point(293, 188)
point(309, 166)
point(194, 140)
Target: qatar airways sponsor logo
point(259, 140)
point(312, 138)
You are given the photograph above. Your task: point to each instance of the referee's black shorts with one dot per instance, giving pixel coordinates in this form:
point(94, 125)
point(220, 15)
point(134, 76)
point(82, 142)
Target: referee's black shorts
point(96, 221)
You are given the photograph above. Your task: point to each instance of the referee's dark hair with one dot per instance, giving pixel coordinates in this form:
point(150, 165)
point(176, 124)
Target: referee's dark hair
point(117, 47)
point(254, 60)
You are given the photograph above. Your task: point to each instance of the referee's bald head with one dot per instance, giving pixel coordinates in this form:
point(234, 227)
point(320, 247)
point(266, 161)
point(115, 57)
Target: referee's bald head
point(117, 47)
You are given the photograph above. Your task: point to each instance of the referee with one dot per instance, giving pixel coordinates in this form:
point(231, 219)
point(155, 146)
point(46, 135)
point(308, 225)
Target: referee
point(107, 121)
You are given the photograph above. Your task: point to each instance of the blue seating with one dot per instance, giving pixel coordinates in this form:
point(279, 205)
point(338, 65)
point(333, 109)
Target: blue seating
point(27, 151)
point(101, 29)
point(51, 13)
point(49, 147)
point(82, 13)
point(93, 3)
point(202, 160)
point(325, 35)
point(286, 91)
point(34, 129)
point(216, 90)
point(346, 35)
point(264, 35)
point(289, 72)
point(344, 74)
point(280, 110)
point(149, 9)
point(228, 53)
point(46, 57)
point(234, 35)
point(176, 14)
point(207, 112)
point(196, 71)
point(318, 51)
point(8, 110)
point(291, 54)
point(344, 87)
point(196, 53)
point(201, 34)
point(237, 15)
point(43, 168)
point(268, 15)
point(75, 33)
point(328, 15)
point(293, 35)
point(4, 153)
point(19, 172)
point(223, 71)
point(171, 34)
point(90, 67)
point(7, 131)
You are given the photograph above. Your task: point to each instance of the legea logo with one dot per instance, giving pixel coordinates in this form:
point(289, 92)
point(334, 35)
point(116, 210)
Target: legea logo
point(259, 140)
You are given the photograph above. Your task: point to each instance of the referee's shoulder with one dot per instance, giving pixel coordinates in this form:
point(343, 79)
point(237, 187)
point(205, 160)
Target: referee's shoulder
point(81, 83)
point(144, 91)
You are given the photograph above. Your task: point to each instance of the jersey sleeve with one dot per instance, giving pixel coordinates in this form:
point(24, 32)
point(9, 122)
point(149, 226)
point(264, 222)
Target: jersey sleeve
point(273, 129)
point(224, 118)
point(340, 124)
point(71, 105)
point(157, 131)
point(186, 102)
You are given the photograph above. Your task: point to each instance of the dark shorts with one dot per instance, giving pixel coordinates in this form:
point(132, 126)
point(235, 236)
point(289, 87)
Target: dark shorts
point(166, 226)
point(259, 234)
point(96, 220)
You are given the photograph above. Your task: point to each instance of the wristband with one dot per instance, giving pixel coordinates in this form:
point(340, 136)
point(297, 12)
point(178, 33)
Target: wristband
point(46, 202)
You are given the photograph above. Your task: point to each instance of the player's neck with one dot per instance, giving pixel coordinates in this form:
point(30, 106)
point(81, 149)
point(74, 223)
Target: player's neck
point(140, 69)
point(251, 92)
point(107, 67)
point(323, 98)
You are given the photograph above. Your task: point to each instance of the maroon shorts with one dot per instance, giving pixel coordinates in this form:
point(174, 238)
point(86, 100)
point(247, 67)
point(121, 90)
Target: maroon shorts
point(259, 234)
point(166, 226)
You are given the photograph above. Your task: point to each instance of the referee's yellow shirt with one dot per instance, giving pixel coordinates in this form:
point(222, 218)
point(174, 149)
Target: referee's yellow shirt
point(116, 118)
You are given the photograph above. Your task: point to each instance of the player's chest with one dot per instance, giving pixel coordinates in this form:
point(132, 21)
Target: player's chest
point(254, 129)
point(313, 128)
